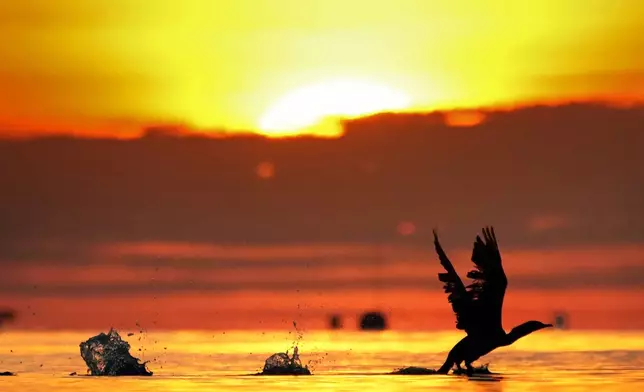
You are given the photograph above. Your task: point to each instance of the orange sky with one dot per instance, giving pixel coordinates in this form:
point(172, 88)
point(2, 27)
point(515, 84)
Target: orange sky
point(183, 285)
point(114, 66)
point(179, 232)
point(236, 232)
point(255, 310)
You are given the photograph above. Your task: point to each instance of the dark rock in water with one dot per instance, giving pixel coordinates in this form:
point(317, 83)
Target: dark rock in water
point(7, 315)
point(374, 321)
point(109, 355)
point(414, 370)
point(483, 369)
point(281, 364)
point(7, 374)
point(335, 321)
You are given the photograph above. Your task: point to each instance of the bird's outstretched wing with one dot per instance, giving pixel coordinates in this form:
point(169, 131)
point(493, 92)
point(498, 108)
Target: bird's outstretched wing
point(459, 297)
point(478, 307)
point(490, 282)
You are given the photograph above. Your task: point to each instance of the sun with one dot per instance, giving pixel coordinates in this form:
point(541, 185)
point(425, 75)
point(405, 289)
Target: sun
point(311, 109)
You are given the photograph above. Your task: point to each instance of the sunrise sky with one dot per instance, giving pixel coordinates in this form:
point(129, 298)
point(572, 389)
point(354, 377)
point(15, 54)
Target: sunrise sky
point(115, 66)
point(253, 232)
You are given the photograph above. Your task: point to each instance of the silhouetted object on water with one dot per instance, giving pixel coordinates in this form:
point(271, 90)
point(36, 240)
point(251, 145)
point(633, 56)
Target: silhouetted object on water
point(335, 322)
point(109, 355)
point(478, 307)
point(7, 315)
point(281, 364)
point(373, 321)
point(561, 320)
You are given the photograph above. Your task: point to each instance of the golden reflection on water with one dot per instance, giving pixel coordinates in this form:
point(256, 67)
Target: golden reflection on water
point(341, 360)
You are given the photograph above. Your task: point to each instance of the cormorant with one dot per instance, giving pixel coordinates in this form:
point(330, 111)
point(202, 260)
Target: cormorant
point(478, 307)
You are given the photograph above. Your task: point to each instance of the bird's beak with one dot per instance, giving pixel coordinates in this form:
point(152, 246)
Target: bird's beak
point(549, 325)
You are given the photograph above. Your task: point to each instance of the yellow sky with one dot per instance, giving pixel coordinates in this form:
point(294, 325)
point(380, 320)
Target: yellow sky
point(87, 65)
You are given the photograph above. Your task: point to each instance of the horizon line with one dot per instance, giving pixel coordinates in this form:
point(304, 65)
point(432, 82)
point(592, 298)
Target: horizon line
point(184, 130)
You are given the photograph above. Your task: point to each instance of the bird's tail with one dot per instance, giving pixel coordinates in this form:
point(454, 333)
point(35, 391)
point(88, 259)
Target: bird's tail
point(449, 363)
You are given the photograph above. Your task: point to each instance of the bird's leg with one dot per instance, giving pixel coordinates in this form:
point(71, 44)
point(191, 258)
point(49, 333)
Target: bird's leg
point(447, 366)
point(458, 367)
point(470, 369)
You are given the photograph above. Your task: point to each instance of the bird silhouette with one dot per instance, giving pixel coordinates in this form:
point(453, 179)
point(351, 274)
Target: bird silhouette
point(478, 307)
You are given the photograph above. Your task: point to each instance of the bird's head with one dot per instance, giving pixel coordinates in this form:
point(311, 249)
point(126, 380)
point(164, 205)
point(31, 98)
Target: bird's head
point(533, 325)
point(526, 328)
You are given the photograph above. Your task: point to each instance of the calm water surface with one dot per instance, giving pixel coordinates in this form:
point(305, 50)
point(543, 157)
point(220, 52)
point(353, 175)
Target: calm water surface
point(341, 361)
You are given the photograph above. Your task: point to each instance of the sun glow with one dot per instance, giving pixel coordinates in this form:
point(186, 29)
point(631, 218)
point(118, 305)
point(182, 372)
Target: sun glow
point(311, 109)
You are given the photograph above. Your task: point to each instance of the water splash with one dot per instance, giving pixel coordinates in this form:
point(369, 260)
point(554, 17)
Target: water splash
point(299, 334)
point(142, 339)
point(414, 370)
point(483, 369)
point(282, 364)
point(313, 363)
point(145, 341)
point(109, 355)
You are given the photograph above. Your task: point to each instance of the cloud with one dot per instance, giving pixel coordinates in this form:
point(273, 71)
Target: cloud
point(548, 222)
point(221, 269)
point(232, 251)
point(626, 279)
point(577, 160)
point(188, 216)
